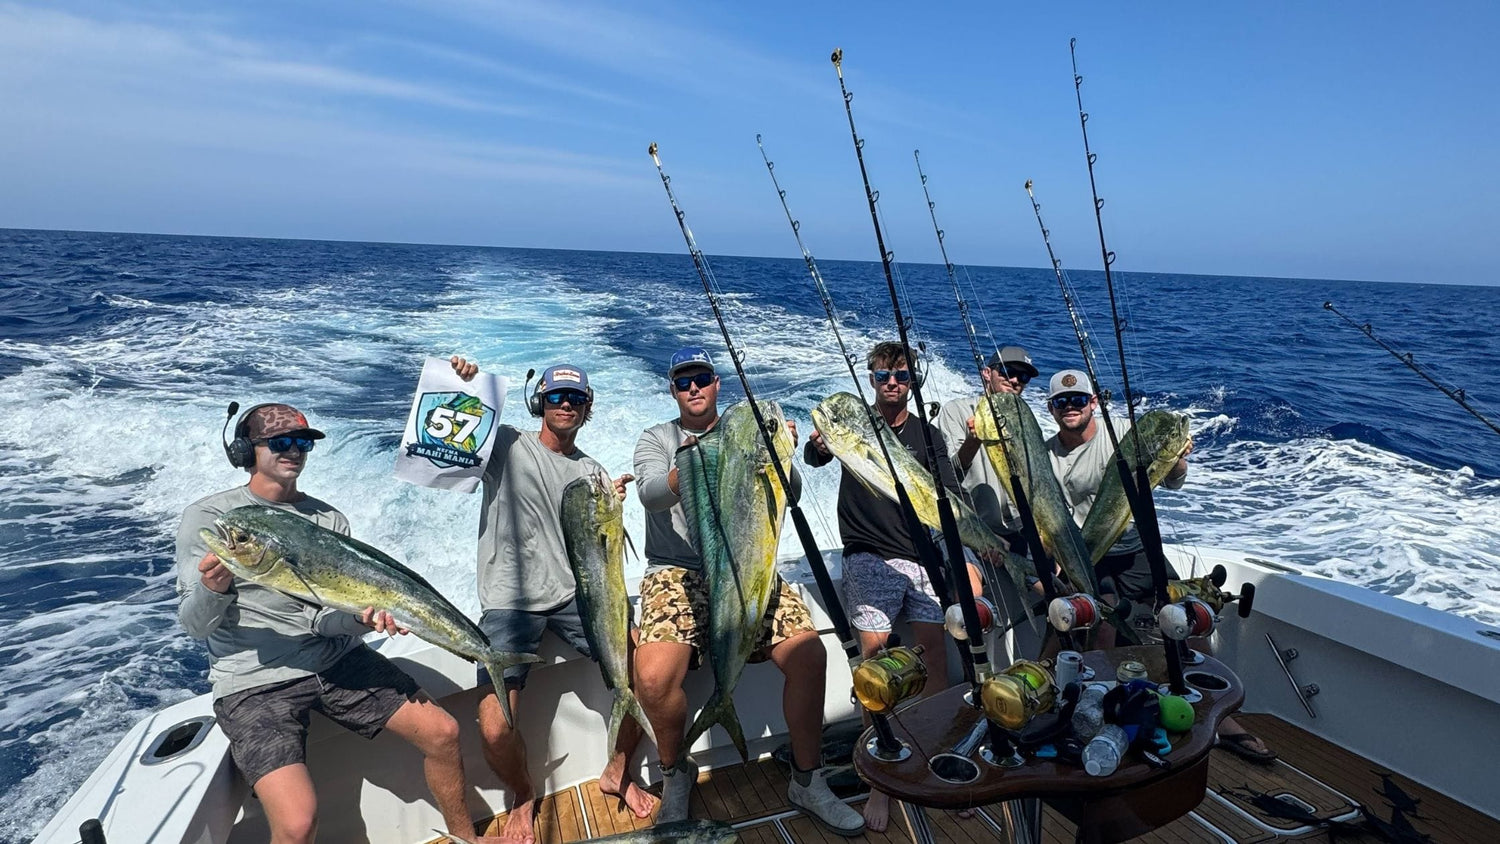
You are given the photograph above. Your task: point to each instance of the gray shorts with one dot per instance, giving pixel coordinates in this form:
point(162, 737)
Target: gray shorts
point(879, 590)
point(267, 725)
point(521, 631)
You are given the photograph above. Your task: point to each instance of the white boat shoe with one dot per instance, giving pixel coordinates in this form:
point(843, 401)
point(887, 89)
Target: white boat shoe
point(820, 804)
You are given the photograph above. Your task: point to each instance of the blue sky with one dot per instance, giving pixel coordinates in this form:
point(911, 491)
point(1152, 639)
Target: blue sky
point(1327, 140)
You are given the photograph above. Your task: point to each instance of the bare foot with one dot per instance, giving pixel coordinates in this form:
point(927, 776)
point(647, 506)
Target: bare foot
point(965, 814)
point(520, 825)
point(641, 802)
point(877, 811)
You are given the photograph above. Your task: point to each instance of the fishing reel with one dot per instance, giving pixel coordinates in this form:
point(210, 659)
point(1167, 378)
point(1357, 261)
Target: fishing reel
point(1079, 611)
point(885, 680)
point(953, 619)
point(1012, 700)
point(1194, 606)
point(1208, 589)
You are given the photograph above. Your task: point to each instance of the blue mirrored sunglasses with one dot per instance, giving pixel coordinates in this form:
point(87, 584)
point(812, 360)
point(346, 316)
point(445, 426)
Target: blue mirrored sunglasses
point(884, 375)
point(702, 379)
point(573, 397)
point(278, 445)
point(1077, 401)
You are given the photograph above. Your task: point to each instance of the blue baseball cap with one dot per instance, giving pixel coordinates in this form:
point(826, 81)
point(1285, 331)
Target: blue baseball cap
point(562, 377)
point(690, 356)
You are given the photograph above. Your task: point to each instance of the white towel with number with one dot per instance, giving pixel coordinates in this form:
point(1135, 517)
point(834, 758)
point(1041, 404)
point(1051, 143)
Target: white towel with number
point(451, 429)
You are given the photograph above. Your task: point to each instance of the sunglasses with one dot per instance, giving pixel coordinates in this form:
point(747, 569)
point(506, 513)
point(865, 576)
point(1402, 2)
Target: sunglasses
point(556, 398)
point(1015, 375)
point(884, 375)
point(1077, 401)
point(702, 379)
point(280, 445)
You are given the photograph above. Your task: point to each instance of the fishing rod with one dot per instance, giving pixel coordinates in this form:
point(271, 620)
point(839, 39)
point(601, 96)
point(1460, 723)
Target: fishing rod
point(831, 601)
point(1457, 394)
point(914, 525)
point(956, 564)
point(1138, 491)
point(1039, 557)
point(1080, 327)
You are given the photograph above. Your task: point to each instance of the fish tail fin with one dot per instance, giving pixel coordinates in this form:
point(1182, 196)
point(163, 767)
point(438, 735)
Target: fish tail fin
point(496, 663)
point(720, 710)
point(456, 839)
point(626, 703)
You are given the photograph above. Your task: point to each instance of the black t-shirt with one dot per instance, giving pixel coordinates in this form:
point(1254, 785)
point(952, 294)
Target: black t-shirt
point(873, 523)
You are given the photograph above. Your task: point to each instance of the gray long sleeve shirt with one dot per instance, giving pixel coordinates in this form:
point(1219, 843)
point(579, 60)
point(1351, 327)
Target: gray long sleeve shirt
point(523, 562)
point(668, 542)
point(257, 636)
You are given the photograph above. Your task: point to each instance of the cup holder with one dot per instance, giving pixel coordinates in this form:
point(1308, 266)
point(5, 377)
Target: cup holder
point(1205, 681)
point(952, 768)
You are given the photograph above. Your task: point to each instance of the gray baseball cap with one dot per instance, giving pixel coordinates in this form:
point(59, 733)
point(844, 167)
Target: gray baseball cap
point(1069, 381)
point(1013, 357)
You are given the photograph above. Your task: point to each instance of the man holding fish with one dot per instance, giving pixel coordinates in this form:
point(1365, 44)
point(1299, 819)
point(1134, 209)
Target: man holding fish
point(1084, 464)
point(678, 610)
point(274, 658)
point(526, 582)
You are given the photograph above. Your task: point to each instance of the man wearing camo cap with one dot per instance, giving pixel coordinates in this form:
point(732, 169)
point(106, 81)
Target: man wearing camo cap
point(273, 658)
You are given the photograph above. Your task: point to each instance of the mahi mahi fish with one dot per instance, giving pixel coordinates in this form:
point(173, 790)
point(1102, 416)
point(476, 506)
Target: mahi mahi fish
point(735, 503)
point(1164, 436)
point(283, 551)
point(1017, 447)
point(593, 524)
point(844, 422)
point(675, 832)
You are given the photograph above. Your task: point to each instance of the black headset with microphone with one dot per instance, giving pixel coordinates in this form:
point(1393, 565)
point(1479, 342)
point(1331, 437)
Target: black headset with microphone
point(240, 450)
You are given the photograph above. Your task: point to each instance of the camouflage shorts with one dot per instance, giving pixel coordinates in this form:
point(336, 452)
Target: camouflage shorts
point(674, 608)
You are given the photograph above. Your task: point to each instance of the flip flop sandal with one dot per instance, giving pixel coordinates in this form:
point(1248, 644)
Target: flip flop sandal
point(1239, 745)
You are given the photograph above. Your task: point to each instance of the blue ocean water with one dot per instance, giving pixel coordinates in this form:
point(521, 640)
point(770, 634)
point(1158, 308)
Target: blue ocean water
point(119, 353)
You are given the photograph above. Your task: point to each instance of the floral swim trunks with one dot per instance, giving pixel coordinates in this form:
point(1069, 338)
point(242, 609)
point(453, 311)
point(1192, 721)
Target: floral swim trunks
point(880, 590)
point(674, 608)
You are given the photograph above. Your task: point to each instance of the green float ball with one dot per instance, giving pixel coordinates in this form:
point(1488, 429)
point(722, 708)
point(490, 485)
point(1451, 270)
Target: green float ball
point(1176, 714)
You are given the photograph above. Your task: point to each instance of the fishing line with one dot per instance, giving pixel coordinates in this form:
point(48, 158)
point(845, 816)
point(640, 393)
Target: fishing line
point(810, 548)
point(978, 671)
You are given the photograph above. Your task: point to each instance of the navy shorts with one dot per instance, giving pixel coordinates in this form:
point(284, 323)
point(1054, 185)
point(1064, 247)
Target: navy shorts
point(521, 631)
point(267, 725)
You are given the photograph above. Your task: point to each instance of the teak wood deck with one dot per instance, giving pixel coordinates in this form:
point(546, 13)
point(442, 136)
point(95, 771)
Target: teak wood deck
point(1320, 776)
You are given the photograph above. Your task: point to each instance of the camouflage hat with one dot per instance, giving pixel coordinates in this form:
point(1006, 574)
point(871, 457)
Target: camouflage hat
point(276, 420)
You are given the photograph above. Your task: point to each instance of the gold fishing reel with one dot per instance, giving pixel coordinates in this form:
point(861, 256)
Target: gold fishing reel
point(889, 677)
point(1018, 694)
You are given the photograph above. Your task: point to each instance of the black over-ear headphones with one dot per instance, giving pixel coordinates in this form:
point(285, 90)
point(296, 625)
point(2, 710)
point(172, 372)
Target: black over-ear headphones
point(240, 450)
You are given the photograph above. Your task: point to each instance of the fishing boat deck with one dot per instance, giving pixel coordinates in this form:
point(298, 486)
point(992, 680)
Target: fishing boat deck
point(1320, 776)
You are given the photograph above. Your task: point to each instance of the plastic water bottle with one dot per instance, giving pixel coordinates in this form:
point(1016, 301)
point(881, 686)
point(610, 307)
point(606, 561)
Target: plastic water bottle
point(1088, 713)
point(1101, 756)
